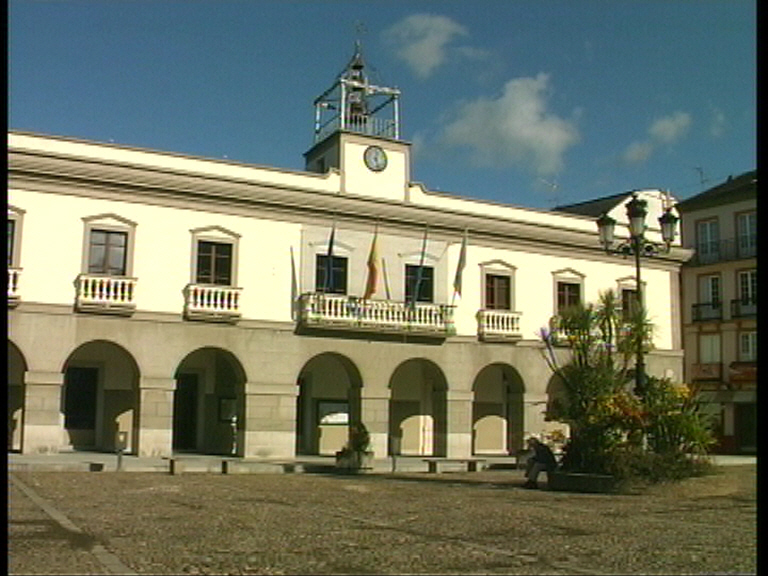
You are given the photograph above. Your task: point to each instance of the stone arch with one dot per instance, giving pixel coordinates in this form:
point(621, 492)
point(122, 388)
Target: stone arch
point(328, 401)
point(418, 407)
point(100, 397)
point(17, 366)
point(209, 403)
point(497, 410)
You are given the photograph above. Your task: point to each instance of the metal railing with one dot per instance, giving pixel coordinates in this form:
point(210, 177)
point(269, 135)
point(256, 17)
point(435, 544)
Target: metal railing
point(363, 125)
point(96, 293)
point(707, 371)
point(352, 313)
point(502, 324)
point(724, 251)
point(212, 302)
point(705, 311)
point(743, 307)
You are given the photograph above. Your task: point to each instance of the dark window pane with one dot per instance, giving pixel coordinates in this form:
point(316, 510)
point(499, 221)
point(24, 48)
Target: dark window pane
point(107, 253)
point(568, 294)
point(426, 285)
point(214, 263)
point(497, 292)
point(336, 282)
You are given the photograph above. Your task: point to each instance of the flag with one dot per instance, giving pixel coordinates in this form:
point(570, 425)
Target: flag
point(460, 266)
point(373, 269)
point(294, 287)
point(328, 286)
point(419, 272)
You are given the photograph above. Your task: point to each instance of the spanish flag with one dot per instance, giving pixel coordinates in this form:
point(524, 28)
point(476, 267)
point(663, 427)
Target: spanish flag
point(373, 269)
point(460, 267)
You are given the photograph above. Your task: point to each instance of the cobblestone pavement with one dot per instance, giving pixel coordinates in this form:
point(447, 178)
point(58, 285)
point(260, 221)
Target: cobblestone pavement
point(415, 523)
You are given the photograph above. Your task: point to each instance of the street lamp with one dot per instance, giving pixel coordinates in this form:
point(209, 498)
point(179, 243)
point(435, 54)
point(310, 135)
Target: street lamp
point(636, 246)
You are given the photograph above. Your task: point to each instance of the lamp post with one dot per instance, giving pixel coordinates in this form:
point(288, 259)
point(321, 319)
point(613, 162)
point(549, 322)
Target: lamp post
point(637, 246)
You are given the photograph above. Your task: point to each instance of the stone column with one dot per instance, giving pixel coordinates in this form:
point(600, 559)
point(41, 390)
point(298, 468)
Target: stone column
point(43, 419)
point(156, 416)
point(270, 420)
point(459, 413)
point(375, 415)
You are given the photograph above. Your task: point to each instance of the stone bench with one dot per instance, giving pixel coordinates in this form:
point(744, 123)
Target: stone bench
point(435, 464)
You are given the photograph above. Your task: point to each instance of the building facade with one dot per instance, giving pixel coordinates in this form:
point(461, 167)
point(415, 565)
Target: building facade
point(720, 306)
point(175, 303)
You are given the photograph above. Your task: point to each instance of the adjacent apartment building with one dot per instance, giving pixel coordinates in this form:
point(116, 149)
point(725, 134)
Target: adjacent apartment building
point(720, 306)
point(175, 303)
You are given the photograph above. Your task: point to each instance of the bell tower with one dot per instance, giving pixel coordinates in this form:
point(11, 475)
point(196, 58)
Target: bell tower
point(357, 131)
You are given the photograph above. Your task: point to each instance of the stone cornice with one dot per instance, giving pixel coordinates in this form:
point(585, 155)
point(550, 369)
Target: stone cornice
point(47, 172)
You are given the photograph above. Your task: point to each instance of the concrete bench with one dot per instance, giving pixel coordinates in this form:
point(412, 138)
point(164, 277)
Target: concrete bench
point(435, 464)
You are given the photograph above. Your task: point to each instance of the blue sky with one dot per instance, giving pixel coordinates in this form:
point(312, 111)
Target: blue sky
point(527, 102)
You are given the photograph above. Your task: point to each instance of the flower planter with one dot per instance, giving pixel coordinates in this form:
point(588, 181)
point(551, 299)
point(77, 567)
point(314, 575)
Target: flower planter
point(582, 482)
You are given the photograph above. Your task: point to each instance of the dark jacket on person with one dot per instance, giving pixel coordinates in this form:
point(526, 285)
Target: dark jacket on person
point(544, 455)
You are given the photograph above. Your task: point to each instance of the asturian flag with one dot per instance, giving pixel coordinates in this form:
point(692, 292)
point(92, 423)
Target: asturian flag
point(373, 268)
point(328, 285)
point(460, 266)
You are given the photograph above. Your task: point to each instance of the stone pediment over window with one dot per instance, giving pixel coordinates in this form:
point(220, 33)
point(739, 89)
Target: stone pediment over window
point(110, 220)
point(569, 274)
point(214, 232)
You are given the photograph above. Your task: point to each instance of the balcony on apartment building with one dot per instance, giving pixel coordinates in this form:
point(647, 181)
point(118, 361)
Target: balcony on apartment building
point(707, 311)
point(212, 302)
point(342, 312)
point(707, 371)
point(744, 307)
point(14, 296)
point(105, 294)
point(724, 251)
point(498, 325)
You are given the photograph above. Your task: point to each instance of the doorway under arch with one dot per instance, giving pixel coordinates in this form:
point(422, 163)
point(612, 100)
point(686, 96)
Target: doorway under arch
point(418, 423)
point(328, 401)
point(100, 397)
point(497, 411)
point(209, 403)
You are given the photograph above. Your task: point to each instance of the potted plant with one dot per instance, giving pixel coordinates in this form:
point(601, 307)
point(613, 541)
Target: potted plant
point(356, 454)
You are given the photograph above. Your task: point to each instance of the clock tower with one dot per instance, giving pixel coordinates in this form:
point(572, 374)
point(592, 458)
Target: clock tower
point(357, 131)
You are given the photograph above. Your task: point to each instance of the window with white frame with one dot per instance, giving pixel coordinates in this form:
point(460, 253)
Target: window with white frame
point(708, 240)
point(709, 348)
point(498, 287)
point(214, 256)
point(108, 245)
point(424, 278)
point(746, 225)
point(748, 286)
point(331, 274)
point(748, 346)
point(15, 217)
point(709, 289)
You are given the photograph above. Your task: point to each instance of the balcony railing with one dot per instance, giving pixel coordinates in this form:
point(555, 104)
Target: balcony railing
point(742, 372)
point(212, 302)
point(712, 371)
point(741, 308)
point(352, 313)
point(14, 274)
point(105, 294)
point(498, 325)
point(724, 251)
point(707, 311)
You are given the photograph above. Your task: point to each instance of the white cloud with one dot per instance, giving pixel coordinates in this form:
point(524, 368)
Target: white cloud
point(718, 124)
point(670, 128)
point(665, 130)
point(514, 129)
point(421, 40)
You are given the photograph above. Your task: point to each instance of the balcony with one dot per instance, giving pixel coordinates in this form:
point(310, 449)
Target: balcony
point(341, 312)
point(212, 303)
point(707, 311)
point(744, 308)
point(498, 325)
point(707, 371)
point(724, 251)
point(105, 294)
point(742, 372)
point(14, 274)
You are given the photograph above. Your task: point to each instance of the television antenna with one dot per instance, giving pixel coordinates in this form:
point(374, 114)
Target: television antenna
point(553, 188)
point(702, 179)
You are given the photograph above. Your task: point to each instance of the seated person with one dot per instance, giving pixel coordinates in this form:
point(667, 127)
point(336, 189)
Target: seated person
point(543, 459)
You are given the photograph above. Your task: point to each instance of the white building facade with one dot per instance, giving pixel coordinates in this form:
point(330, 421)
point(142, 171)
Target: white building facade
point(188, 304)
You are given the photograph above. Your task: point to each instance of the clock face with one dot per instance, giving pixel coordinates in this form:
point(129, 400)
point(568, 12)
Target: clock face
point(375, 158)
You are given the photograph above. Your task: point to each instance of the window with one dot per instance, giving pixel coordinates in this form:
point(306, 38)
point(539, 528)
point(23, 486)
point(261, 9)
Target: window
point(709, 348)
point(747, 230)
point(497, 292)
point(331, 278)
point(214, 263)
point(748, 286)
point(426, 283)
point(748, 346)
point(708, 241)
point(107, 252)
point(628, 303)
point(568, 294)
point(709, 289)
point(11, 239)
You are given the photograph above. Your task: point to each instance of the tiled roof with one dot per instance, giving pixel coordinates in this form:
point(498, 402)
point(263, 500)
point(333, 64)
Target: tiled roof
point(742, 187)
point(594, 207)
